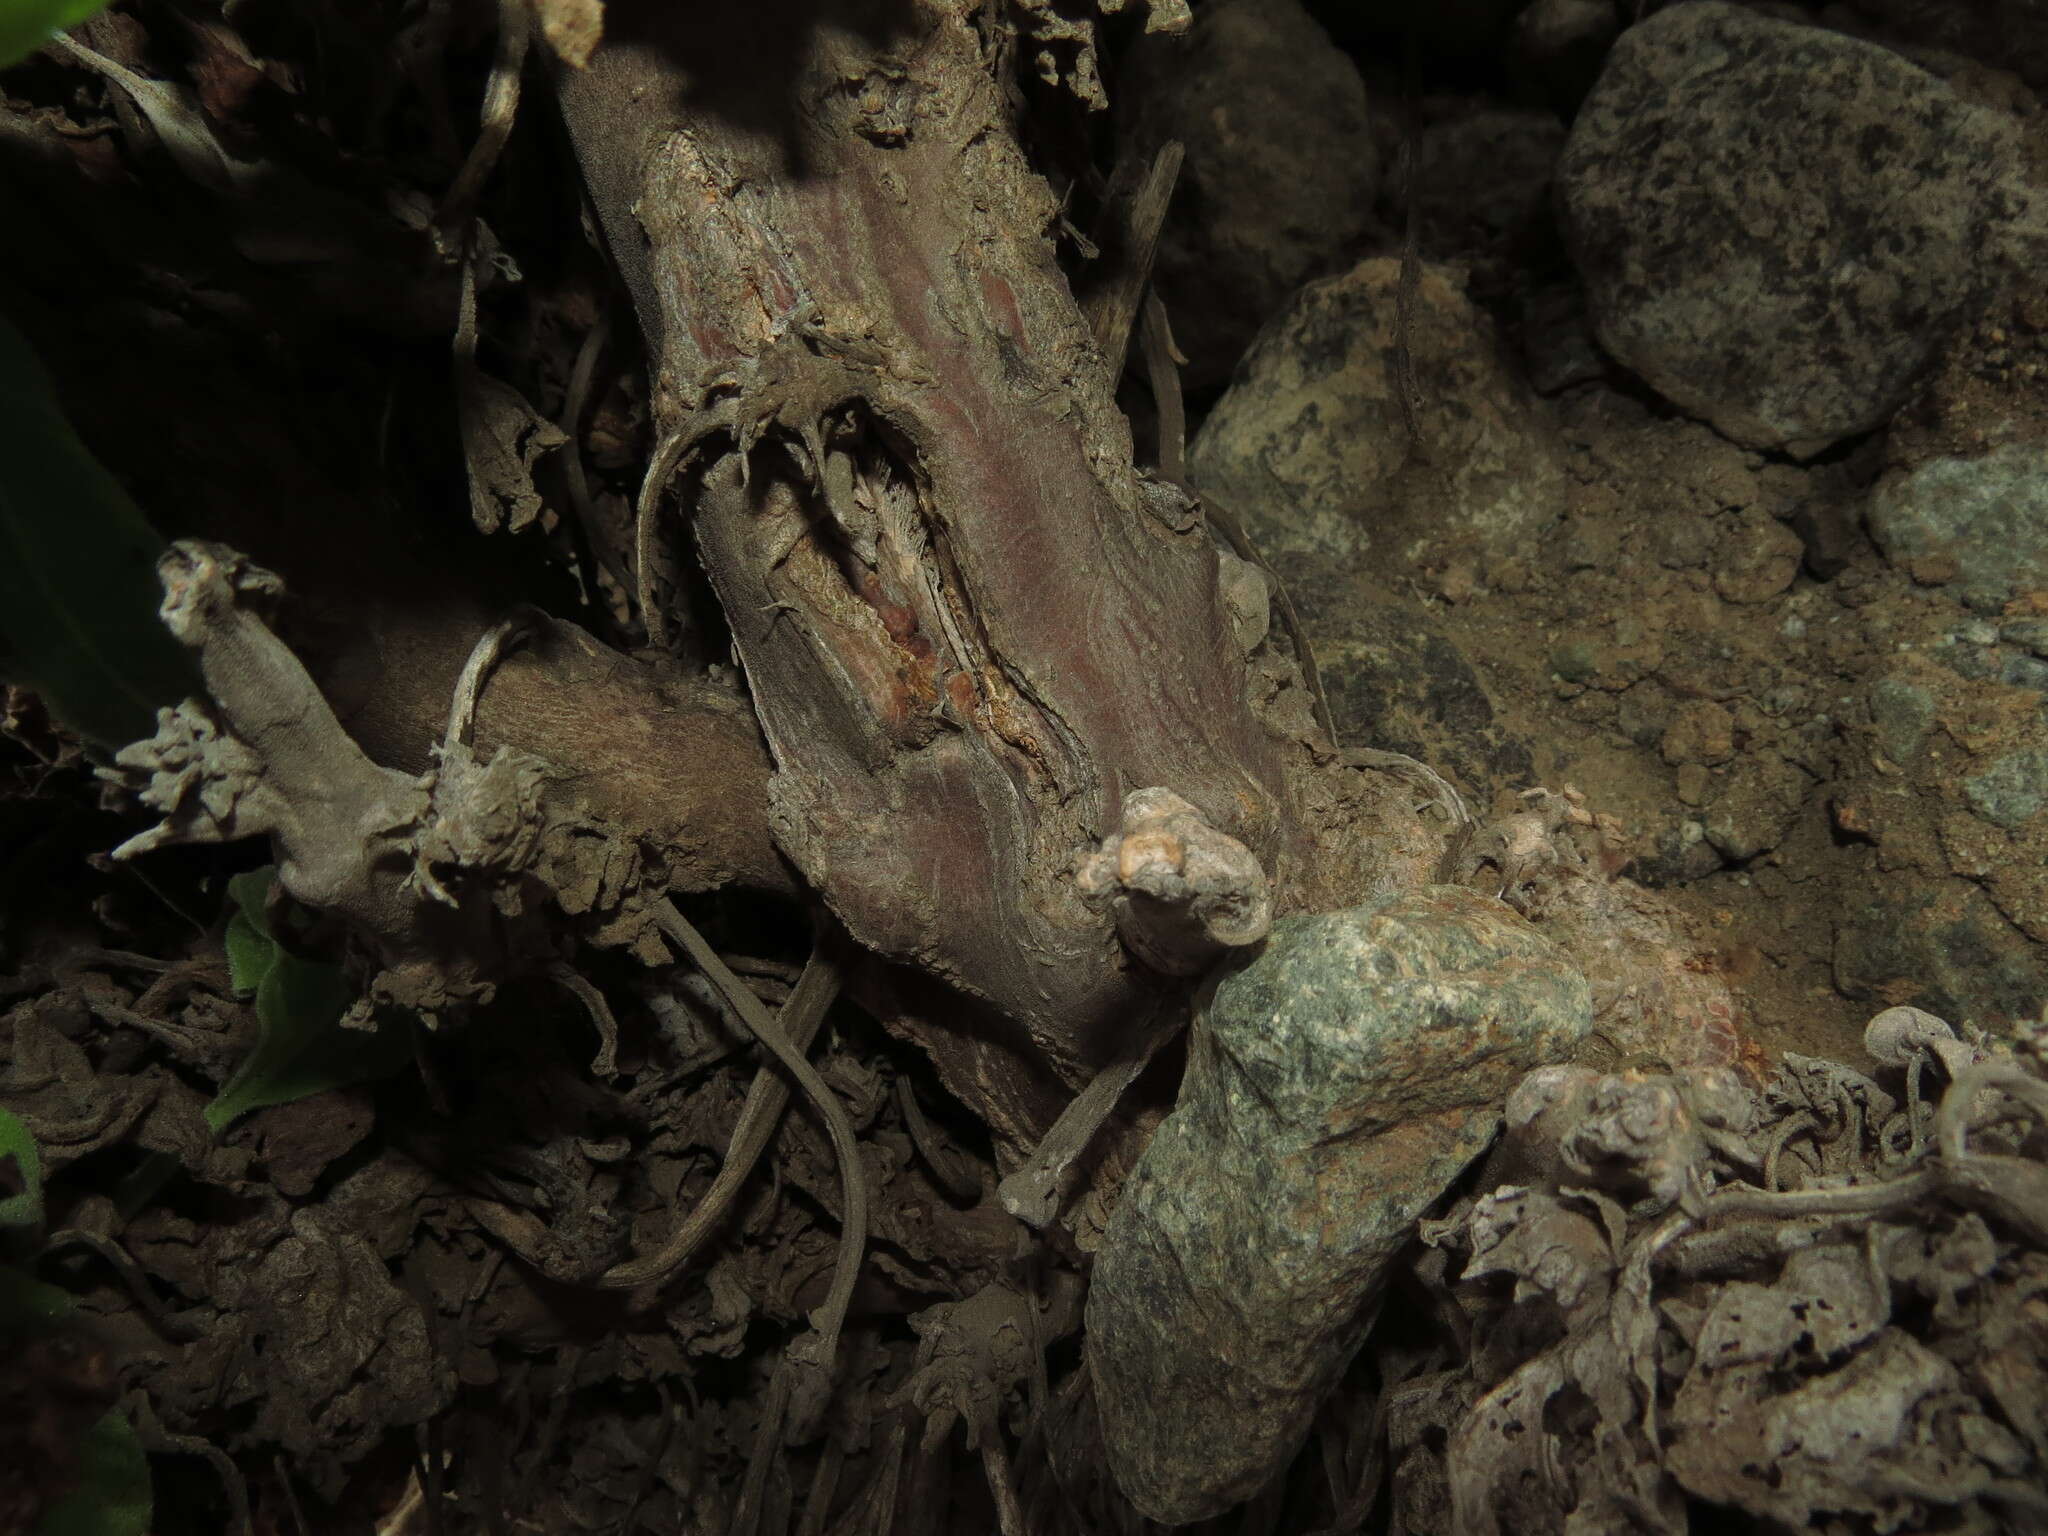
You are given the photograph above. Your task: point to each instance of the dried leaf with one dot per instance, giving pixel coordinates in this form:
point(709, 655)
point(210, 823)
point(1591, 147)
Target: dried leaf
point(1827, 1303)
point(503, 438)
point(1865, 1439)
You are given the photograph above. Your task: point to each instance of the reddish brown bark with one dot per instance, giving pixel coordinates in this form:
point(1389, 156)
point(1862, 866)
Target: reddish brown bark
point(968, 626)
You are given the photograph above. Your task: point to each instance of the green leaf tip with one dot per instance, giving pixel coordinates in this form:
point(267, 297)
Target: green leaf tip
point(17, 1145)
point(302, 1048)
point(25, 25)
point(113, 1495)
point(78, 583)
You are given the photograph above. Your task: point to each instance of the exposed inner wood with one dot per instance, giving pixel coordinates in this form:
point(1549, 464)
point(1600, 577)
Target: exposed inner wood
point(965, 635)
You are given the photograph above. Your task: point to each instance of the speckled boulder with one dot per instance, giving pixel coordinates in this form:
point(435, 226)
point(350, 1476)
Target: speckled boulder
point(1281, 166)
point(1311, 447)
point(1335, 1086)
point(1778, 226)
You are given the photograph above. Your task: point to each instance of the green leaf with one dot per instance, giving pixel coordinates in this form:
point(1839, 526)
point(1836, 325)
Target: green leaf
point(25, 25)
point(113, 1494)
point(28, 1304)
point(16, 1144)
point(78, 585)
point(251, 950)
point(301, 1048)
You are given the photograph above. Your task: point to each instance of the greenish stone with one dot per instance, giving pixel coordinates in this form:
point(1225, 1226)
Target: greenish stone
point(2029, 634)
point(1988, 514)
point(1335, 1086)
point(1902, 713)
point(2011, 791)
point(1575, 662)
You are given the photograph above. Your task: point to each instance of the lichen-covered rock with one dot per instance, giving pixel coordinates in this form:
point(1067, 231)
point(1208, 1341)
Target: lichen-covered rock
point(1311, 447)
point(1980, 524)
point(1281, 166)
point(1335, 1086)
point(1778, 226)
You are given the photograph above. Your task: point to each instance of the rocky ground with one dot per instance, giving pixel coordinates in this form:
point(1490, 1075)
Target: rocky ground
point(1729, 514)
point(1644, 410)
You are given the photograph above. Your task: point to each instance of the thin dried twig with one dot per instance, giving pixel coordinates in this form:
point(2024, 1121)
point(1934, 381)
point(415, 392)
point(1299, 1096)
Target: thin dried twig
point(575, 403)
point(606, 1062)
point(500, 109)
point(954, 1177)
point(490, 648)
point(767, 1096)
point(746, 1515)
point(853, 1232)
point(1031, 1192)
point(666, 458)
point(1115, 308)
point(1405, 385)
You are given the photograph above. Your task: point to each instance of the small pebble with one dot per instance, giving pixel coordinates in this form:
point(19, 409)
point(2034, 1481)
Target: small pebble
point(2026, 672)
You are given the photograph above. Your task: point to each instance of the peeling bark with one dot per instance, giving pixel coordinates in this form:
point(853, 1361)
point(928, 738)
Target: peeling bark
point(969, 626)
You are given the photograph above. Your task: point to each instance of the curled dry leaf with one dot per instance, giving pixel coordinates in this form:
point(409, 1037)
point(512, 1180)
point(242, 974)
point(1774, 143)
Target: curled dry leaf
point(1817, 1356)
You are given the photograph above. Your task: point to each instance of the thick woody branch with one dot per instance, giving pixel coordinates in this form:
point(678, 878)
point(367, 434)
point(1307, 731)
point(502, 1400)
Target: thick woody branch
point(677, 758)
point(966, 626)
point(441, 876)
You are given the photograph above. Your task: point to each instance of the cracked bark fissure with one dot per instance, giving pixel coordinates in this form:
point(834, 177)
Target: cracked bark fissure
point(965, 637)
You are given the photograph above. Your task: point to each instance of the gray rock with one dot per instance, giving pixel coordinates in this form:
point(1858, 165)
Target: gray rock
point(2025, 672)
point(1753, 810)
point(1310, 444)
point(1281, 167)
point(1397, 681)
point(2005, 34)
point(1677, 855)
point(1901, 713)
point(1335, 1086)
point(1559, 348)
point(1484, 175)
point(1941, 945)
point(2029, 634)
point(2011, 791)
point(1981, 523)
point(1778, 226)
point(1379, 28)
